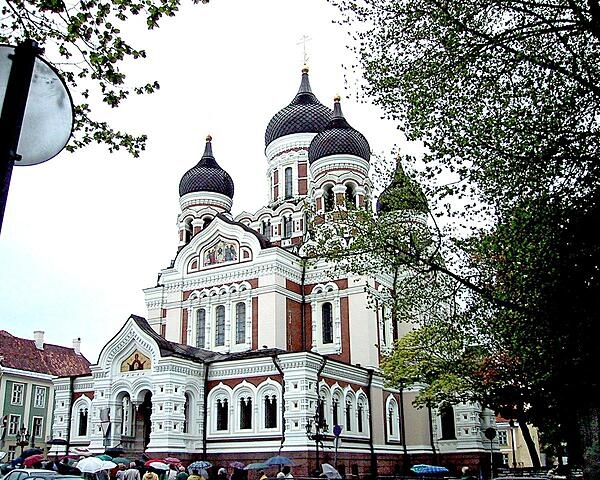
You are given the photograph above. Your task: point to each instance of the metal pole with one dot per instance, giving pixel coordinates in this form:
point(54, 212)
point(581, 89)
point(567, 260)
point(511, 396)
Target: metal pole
point(491, 459)
point(13, 110)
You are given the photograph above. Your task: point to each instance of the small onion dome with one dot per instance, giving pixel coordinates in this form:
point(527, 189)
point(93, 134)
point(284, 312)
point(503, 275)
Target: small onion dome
point(305, 114)
point(402, 194)
point(206, 176)
point(339, 138)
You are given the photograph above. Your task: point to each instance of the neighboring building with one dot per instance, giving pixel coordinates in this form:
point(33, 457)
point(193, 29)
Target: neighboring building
point(27, 371)
point(514, 451)
point(246, 347)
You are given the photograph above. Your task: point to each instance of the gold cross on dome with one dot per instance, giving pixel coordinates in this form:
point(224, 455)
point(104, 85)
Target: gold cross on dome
point(303, 40)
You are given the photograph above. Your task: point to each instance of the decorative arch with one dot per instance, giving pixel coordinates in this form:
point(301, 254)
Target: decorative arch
point(268, 401)
point(244, 400)
point(219, 405)
point(81, 417)
point(392, 412)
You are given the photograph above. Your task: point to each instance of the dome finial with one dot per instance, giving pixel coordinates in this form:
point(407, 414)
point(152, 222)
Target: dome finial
point(337, 98)
point(208, 138)
point(305, 68)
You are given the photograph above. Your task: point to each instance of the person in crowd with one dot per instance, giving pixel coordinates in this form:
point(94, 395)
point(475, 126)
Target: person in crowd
point(172, 472)
point(182, 474)
point(287, 472)
point(150, 476)
point(261, 475)
point(132, 473)
point(195, 475)
point(222, 474)
point(120, 471)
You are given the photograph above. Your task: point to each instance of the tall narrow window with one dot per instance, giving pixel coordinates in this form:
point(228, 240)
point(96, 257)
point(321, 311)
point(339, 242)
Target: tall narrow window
point(40, 397)
point(359, 418)
point(17, 394)
point(287, 226)
point(37, 427)
point(447, 421)
point(270, 411)
point(220, 326)
point(245, 413)
point(327, 322)
point(83, 422)
point(186, 413)
point(350, 196)
point(328, 198)
point(288, 182)
point(240, 323)
point(348, 417)
point(222, 414)
point(200, 328)
point(336, 411)
point(391, 421)
point(266, 228)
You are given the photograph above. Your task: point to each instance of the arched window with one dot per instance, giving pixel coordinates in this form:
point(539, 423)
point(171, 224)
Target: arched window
point(384, 329)
point(266, 228)
point(206, 222)
point(240, 323)
point(327, 322)
point(335, 410)
point(220, 326)
point(222, 414)
point(288, 182)
point(447, 421)
point(83, 422)
point(270, 411)
point(391, 421)
point(328, 198)
point(186, 413)
point(350, 196)
point(359, 417)
point(200, 327)
point(188, 230)
point(287, 226)
point(245, 413)
point(348, 416)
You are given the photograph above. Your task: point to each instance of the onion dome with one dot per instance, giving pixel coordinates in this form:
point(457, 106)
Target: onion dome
point(206, 176)
point(305, 114)
point(402, 194)
point(339, 138)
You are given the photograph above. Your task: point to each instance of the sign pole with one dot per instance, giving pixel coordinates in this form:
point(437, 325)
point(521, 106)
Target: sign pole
point(13, 111)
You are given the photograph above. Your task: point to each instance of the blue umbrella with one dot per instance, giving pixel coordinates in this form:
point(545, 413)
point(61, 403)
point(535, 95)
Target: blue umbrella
point(422, 469)
point(279, 460)
point(256, 466)
point(199, 465)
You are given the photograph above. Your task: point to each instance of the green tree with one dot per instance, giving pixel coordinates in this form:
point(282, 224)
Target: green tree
point(82, 39)
point(505, 96)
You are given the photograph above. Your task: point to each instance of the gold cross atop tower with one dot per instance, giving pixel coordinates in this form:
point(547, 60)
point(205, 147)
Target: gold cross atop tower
point(303, 40)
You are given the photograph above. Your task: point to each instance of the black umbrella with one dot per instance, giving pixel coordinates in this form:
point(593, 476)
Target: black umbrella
point(31, 451)
point(57, 441)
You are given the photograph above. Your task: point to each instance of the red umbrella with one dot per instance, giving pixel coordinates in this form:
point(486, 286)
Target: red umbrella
point(172, 460)
point(152, 460)
point(33, 459)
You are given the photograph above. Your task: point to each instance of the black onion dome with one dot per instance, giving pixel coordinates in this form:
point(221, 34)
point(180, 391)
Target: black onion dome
point(339, 138)
point(206, 176)
point(402, 194)
point(305, 114)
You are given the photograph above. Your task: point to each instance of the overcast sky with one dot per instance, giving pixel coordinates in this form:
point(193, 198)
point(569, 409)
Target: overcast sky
point(84, 233)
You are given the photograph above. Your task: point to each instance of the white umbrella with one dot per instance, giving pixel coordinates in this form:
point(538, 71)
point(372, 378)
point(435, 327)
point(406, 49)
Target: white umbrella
point(159, 465)
point(108, 465)
point(330, 471)
point(90, 465)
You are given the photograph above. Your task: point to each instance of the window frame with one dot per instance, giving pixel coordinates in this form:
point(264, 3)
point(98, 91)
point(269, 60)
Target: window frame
point(40, 397)
point(17, 393)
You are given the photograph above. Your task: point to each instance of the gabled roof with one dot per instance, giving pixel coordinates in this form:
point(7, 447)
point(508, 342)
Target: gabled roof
point(172, 349)
point(264, 241)
point(22, 354)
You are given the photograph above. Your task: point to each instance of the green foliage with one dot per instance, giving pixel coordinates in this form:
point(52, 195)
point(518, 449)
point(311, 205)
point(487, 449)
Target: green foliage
point(83, 40)
point(505, 95)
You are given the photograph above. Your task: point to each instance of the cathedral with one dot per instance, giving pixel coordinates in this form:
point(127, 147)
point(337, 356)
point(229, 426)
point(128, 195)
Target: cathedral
point(250, 351)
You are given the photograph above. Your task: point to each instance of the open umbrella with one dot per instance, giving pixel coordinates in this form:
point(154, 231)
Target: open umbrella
point(198, 465)
point(279, 460)
point(159, 466)
point(33, 459)
point(330, 471)
point(148, 462)
point(57, 441)
point(104, 456)
point(238, 465)
point(31, 451)
point(90, 465)
point(423, 469)
point(256, 466)
point(174, 460)
point(122, 460)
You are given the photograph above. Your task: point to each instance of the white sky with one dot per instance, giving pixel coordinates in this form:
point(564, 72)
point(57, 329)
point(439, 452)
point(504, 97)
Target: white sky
point(84, 233)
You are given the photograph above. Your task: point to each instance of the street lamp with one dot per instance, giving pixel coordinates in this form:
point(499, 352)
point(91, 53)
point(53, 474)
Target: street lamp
point(315, 428)
point(511, 423)
point(22, 437)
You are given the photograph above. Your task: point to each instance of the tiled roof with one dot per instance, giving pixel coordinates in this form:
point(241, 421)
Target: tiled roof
point(22, 354)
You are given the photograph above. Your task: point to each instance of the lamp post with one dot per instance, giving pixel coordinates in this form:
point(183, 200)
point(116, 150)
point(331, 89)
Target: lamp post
point(22, 437)
point(315, 428)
